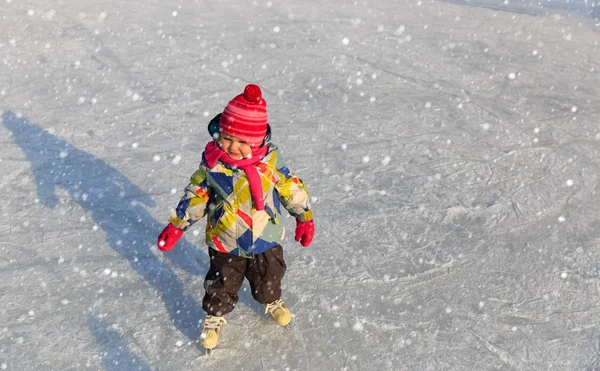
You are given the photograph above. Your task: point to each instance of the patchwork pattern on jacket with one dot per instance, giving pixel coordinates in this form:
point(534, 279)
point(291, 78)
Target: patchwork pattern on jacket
point(233, 225)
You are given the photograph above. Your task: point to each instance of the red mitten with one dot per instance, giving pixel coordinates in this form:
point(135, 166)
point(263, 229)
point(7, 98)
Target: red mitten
point(169, 237)
point(304, 232)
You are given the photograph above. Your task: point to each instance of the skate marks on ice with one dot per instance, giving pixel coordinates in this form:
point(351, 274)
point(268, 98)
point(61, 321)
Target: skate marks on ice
point(115, 352)
point(518, 293)
point(518, 204)
point(116, 205)
point(255, 337)
point(521, 227)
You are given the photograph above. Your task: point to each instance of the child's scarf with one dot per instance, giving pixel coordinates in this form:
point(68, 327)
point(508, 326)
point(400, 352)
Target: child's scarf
point(213, 153)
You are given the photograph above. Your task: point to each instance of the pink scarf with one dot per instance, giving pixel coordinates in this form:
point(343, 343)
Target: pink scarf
point(213, 153)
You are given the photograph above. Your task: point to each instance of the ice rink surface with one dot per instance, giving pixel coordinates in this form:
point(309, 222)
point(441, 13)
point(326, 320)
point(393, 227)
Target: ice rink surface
point(451, 152)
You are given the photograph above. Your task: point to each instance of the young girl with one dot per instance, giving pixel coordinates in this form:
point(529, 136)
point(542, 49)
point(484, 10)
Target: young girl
point(242, 185)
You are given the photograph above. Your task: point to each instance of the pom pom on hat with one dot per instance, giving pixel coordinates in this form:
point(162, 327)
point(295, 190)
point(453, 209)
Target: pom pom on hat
point(245, 117)
point(252, 93)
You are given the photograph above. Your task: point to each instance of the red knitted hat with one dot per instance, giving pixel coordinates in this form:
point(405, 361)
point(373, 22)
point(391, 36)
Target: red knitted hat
point(245, 117)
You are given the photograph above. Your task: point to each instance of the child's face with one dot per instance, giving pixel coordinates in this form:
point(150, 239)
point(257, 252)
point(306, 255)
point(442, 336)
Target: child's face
point(234, 147)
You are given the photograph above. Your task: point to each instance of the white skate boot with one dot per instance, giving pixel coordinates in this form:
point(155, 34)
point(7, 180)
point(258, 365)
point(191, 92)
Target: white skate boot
point(211, 331)
point(280, 313)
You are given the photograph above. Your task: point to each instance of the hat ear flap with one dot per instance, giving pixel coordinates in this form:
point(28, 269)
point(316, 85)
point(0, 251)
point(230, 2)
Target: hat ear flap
point(213, 126)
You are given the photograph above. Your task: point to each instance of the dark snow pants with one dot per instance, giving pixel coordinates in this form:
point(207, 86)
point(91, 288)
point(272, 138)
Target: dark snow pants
point(226, 275)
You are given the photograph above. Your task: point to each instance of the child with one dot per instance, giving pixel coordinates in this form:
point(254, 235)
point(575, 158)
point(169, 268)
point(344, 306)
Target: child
point(241, 185)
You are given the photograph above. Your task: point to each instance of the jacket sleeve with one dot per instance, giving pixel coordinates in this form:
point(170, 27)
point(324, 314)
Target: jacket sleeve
point(292, 192)
point(194, 203)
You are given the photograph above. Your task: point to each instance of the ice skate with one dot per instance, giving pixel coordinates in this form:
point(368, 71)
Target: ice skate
point(280, 313)
point(211, 331)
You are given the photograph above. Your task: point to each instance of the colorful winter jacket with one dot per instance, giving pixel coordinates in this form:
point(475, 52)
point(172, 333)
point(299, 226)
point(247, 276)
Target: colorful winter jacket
point(233, 223)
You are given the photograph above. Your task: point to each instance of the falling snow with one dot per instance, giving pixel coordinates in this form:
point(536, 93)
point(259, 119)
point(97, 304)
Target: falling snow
point(450, 151)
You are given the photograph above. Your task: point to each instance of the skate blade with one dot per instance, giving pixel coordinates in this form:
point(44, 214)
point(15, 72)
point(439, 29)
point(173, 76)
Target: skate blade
point(289, 326)
point(209, 351)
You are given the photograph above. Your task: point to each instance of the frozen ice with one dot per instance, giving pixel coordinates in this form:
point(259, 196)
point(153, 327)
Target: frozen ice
point(493, 164)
